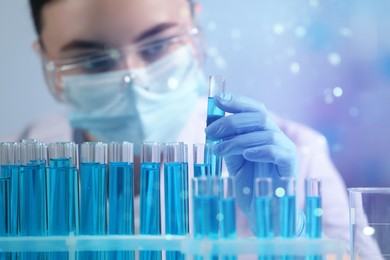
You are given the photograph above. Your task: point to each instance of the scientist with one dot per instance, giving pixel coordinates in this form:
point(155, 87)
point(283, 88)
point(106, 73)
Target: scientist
point(132, 70)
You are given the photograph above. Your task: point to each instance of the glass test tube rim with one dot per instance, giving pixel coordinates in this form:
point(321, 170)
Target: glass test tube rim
point(269, 193)
point(215, 88)
point(68, 150)
point(9, 153)
point(94, 152)
point(121, 152)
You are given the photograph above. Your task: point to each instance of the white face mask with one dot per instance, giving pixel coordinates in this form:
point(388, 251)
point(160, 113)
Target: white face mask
point(154, 107)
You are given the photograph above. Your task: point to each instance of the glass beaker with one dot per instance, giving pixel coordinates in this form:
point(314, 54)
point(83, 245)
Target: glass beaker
point(369, 215)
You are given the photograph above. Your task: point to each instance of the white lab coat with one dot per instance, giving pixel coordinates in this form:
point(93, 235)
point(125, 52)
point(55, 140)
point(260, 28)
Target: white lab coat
point(314, 161)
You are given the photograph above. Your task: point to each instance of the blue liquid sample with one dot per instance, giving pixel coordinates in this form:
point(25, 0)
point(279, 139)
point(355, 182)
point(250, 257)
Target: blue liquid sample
point(201, 170)
point(61, 200)
point(206, 217)
point(150, 208)
point(213, 114)
point(121, 204)
point(313, 217)
point(287, 216)
point(264, 228)
point(93, 199)
point(33, 211)
point(9, 189)
point(176, 202)
point(227, 222)
point(313, 221)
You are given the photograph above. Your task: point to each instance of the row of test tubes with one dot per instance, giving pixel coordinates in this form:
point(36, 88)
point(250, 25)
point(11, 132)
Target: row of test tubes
point(51, 190)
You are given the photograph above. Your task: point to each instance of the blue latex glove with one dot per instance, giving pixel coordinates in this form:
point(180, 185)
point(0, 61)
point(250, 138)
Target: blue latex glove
point(252, 146)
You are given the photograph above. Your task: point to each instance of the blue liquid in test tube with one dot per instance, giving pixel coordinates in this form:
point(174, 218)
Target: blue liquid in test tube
point(202, 167)
point(216, 86)
point(227, 211)
point(176, 193)
point(93, 194)
point(121, 194)
point(150, 206)
point(62, 207)
point(287, 218)
point(9, 189)
point(32, 187)
point(313, 210)
point(9, 182)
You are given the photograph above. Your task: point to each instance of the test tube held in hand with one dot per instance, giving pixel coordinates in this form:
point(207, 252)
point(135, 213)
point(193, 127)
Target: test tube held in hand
point(216, 86)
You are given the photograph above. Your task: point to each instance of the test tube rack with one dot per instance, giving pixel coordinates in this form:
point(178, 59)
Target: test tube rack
point(186, 244)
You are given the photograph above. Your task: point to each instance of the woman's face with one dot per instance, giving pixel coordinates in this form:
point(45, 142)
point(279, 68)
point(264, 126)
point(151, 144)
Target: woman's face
point(72, 28)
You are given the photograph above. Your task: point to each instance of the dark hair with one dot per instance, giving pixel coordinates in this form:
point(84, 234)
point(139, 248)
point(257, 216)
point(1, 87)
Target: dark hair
point(36, 12)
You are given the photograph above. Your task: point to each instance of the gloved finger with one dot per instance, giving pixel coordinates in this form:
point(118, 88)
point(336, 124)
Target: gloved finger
point(238, 124)
point(238, 104)
point(284, 159)
point(236, 145)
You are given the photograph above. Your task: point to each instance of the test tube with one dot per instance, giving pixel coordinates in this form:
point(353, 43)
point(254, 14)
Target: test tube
point(32, 187)
point(62, 191)
point(287, 199)
point(205, 211)
point(121, 193)
point(150, 206)
point(227, 211)
point(201, 165)
point(313, 210)
point(263, 201)
point(9, 181)
point(176, 193)
point(216, 86)
point(93, 193)
point(264, 214)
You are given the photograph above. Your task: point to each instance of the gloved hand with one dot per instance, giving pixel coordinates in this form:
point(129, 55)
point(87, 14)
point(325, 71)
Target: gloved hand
point(252, 146)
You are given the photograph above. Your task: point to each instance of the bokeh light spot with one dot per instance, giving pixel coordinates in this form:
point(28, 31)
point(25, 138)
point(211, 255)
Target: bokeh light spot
point(220, 217)
point(246, 190)
point(300, 31)
point(334, 58)
point(337, 92)
point(317, 212)
point(353, 112)
point(278, 28)
point(369, 231)
point(280, 192)
point(295, 68)
point(173, 83)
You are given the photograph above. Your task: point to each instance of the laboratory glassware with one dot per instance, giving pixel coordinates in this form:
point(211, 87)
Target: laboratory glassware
point(175, 193)
point(216, 86)
point(32, 192)
point(62, 191)
point(121, 194)
point(202, 167)
point(150, 205)
point(9, 191)
point(369, 211)
point(93, 193)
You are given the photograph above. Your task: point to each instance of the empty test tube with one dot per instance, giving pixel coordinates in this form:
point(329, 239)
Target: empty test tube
point(216, 86)
point(32, 187)
point(93, 193)
point(121, 194)
point(150, 205)
point(9, 193)
point(202, 167)
point(176, 193)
